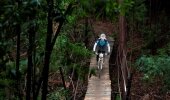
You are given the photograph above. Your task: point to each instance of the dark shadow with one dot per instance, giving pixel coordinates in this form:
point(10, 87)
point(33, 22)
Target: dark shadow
point(113, 73)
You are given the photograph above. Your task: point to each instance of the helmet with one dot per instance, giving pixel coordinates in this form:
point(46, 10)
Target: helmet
point(103, 36)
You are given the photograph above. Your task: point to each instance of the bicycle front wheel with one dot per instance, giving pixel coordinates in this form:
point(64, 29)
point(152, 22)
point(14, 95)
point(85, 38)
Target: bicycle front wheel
point(100, 67)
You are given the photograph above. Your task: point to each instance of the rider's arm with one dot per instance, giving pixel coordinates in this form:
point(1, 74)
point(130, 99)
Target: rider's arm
point(95, 45)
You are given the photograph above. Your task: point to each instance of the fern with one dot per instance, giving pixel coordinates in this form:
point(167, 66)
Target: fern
point(155, 66)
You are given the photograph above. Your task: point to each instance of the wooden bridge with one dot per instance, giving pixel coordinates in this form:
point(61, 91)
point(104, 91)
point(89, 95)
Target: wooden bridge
point(100, 88)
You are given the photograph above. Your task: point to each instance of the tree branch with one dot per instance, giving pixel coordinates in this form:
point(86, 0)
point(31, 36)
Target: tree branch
point(61, 22)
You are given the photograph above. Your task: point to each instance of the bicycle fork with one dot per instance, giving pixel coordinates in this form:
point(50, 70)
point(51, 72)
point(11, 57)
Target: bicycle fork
point(100, 66)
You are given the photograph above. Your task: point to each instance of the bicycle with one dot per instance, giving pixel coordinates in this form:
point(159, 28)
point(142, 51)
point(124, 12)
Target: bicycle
point(100, 62)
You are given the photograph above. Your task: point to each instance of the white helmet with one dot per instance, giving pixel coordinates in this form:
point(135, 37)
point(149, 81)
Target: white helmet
point(103, 36)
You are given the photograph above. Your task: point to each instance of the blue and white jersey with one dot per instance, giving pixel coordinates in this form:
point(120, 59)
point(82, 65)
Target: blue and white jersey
point(101, 45)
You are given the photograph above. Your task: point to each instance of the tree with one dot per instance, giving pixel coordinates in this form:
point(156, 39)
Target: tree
point(50, 43)
point(121, 56)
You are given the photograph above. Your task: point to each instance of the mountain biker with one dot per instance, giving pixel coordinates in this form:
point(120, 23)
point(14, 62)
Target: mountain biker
point(101, 46)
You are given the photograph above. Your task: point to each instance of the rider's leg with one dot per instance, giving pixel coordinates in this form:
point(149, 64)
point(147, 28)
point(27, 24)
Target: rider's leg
point(104, 57)
point(97, 58)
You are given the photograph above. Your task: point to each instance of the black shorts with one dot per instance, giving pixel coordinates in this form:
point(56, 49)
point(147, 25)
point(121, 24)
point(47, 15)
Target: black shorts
point(99, 51)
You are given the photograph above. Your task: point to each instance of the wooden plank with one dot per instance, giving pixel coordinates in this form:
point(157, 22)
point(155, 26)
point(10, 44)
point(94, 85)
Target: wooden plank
point(99, 88)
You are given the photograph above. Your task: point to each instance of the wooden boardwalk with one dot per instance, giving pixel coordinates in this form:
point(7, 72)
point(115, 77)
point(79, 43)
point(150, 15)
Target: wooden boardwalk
point(100, 88)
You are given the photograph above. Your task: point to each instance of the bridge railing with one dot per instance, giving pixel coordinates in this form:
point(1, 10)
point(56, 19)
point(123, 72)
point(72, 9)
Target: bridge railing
point(124, 75)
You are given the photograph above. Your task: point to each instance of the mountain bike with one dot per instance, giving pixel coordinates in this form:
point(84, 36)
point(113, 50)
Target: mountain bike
point(100, 62)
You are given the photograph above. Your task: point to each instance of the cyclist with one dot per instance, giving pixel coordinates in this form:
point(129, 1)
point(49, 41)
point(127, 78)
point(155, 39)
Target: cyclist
point(101, 46)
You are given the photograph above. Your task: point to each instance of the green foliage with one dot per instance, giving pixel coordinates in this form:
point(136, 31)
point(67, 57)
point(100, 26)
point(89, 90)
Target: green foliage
point(83, 8)
point(137, 11)
point(58, 94)
point(150, 34)
point(125, 7)
point(58, 54)
point(23, 66)
point(93, 71)
point(79, 50)
point(12, 15)
point(136, 16)
point(164, 50)
point(72, 19)
point(118, 97)
point(66, 52)
point(6, 82)
point(155, 66)
point(155, 39)
point(112, 9)
point(86, 7)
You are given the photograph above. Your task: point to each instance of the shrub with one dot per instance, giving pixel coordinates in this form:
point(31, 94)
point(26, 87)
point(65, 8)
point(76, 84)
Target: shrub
point(155, 66)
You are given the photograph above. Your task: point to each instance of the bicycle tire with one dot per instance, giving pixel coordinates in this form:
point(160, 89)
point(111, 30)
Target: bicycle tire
point(100, 67)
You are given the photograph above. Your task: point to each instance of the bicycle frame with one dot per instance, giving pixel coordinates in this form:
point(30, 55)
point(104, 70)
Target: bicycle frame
point(100, 62)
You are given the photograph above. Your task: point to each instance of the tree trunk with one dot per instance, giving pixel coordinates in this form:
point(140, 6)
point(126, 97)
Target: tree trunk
point(31, 36)
point(122, 51)
point(31, 33)
point(30, 65)
point(62, 77)
point(18, 61)
point(34, 70)
point(18, 31)
point(48, 50)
